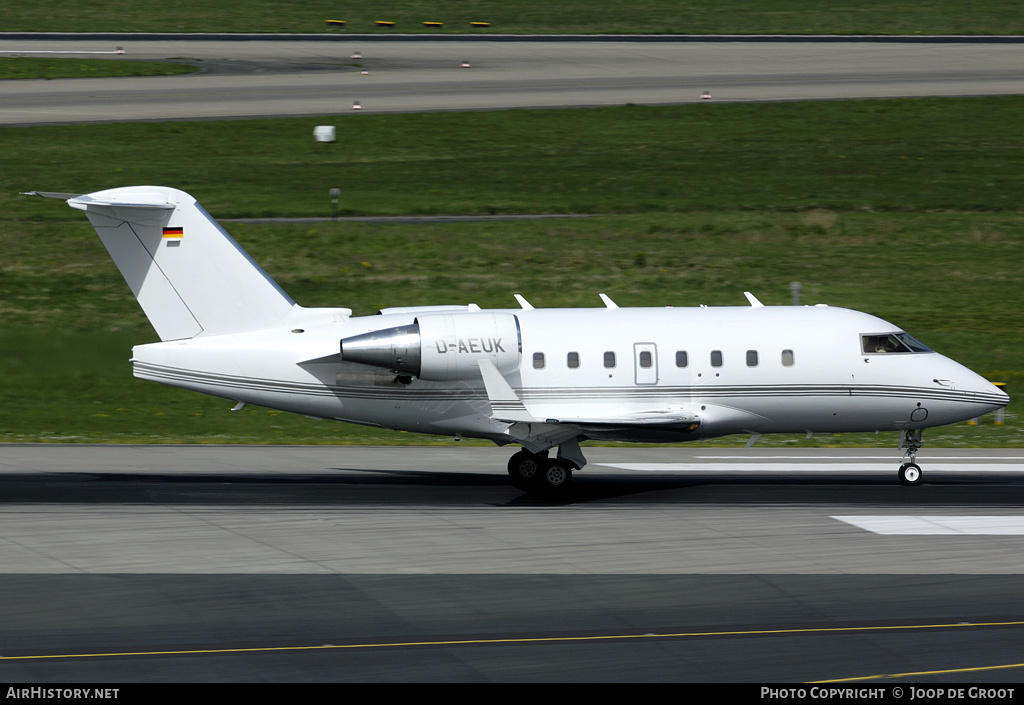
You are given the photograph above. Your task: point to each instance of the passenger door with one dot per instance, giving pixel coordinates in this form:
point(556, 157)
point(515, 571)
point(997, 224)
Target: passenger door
point(645, 362)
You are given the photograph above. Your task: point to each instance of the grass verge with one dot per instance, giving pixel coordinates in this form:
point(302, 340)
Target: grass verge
point(525, 17)
point(19, 67)
point(875, 155)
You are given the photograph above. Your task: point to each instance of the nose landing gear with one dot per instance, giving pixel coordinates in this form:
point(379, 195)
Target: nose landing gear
point(910, 472)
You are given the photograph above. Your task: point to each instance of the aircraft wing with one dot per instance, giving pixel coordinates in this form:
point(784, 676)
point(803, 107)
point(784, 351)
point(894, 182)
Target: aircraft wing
point(643, 418)
point(507, 406)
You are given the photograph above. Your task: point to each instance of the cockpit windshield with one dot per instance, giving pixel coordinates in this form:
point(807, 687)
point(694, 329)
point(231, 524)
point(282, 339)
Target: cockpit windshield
point(892, 343)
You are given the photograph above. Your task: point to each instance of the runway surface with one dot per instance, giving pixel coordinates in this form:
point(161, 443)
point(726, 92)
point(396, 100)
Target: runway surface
point(293, 78)
point(680, 564)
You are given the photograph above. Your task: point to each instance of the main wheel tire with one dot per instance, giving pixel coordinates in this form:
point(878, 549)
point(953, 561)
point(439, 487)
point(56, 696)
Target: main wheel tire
point(524, 468)
point(554, 478)
point(910, 474)
point(556, 473)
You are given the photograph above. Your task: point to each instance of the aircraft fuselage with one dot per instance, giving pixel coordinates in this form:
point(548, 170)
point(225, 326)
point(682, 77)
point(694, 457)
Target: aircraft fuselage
point(610, 371)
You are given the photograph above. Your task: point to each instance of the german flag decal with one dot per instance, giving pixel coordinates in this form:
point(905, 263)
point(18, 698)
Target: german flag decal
point(174, 232)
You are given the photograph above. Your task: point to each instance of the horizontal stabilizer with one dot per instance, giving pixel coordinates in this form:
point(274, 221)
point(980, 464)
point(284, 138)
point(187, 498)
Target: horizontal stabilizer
point(51, 194)
point(122, 198)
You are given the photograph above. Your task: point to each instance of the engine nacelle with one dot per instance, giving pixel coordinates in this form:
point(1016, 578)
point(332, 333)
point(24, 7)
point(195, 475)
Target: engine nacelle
point(441, 346)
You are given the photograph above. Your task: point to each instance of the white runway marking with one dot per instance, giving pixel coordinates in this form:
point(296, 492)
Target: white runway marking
point(835, 465)
point(41, 51)
point(844, 458)
point(938, 525)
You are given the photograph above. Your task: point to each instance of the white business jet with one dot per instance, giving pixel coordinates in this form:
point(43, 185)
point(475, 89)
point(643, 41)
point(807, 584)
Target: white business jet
point(540, 378)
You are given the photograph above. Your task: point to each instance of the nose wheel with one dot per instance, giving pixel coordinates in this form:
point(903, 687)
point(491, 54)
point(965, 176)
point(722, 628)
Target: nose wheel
point(910, 472)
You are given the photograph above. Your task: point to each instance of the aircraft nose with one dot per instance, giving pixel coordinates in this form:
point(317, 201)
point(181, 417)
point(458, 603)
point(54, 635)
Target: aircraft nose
point(1000, 389)
point(989, 395)
point(966, 394)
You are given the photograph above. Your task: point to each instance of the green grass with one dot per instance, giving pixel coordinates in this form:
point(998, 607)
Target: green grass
point(18, 67)
point(525, 16)
point(882, 155)
point(900, 266)
point(907, 209)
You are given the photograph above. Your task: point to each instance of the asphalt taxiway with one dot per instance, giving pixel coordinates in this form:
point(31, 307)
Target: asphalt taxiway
point(122, 563)
point(301, 77)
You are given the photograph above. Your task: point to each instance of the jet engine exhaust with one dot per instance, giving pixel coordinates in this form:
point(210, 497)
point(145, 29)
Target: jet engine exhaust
point(396, 349)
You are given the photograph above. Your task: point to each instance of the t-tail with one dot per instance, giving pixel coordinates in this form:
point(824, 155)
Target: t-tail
point(189, 275)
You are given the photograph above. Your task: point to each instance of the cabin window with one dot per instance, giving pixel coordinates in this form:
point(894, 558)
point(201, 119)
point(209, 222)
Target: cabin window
point(892, 343)
point(609, 359)
point(751, 358)
point(682, 359)
point(538, 361)
point(645, 359)
point(787, 358)
point(716, 358)
point(573, 360)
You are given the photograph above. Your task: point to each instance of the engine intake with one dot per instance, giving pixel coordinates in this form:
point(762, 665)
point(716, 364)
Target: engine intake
point(441, 347)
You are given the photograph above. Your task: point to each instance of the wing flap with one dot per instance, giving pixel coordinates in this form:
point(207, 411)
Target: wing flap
point(507, 406)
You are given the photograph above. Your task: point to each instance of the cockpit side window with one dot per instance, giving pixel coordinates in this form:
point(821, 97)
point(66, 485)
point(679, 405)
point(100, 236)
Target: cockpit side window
point(892, 343)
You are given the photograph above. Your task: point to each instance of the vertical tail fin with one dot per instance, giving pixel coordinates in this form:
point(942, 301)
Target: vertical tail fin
point(190, 277)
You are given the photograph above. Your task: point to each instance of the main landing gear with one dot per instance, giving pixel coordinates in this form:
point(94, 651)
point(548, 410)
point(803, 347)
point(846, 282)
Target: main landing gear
point(910, 472)
point(533, 472)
